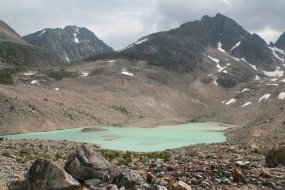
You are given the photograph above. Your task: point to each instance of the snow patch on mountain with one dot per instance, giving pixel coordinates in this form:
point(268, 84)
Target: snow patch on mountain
point(264, 97)
point(245, 89)
point(214, 59)
point(235, 46)
point(84, 74)
point(42, 33)
point(34, 81)
point(246, 104)
point(231, 101)
point(141, 41)
point(274, 50)
point(125, 72)
point(277, 73)
point(215, 82)
point(281, 95)
point(257, 77)
point(220, 47)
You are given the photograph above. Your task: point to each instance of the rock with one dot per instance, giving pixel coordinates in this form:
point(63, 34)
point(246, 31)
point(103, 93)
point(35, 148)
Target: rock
point(180, 185)
point(159, 187)
point(149, 177)
point(264, 172)
point(43, 174)
point(129, 178)
point(112, 187)
point(170, 167)
point(17, 185)
point(275, 157)
point(85, 164)
point(92, 182)
point(238, 176)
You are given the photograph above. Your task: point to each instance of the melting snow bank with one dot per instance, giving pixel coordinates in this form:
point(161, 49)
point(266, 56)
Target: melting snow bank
point(42, 33)
point(277, 73)
point(274, 50)
point(231, 101)
point(257, 77)
point(141, 41)
point(235, 46)
point(111, 61)
point(215, 82)
point(57, 89)
point(246, 104)
point(214, 59)
point(245, 89)
point(125, 72)
point(34, 81)
point(265, 97)
point(220, 47)
point(281, 95)
point(84, 74)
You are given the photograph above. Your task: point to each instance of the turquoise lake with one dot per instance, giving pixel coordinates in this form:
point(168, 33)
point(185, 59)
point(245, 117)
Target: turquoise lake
point(138, 139)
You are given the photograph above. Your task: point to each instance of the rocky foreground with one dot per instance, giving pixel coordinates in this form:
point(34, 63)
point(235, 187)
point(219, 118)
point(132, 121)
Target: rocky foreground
point(35, 165)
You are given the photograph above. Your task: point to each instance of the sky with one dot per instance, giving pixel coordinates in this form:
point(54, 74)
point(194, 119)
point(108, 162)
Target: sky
point(122, 22)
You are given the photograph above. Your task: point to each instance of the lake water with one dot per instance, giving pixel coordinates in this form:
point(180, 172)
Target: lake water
point(138, 139)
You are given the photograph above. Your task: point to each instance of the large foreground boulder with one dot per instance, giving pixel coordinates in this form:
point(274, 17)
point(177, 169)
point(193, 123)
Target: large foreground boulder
point(44, 174)
point(85, 164)
point(275, 157)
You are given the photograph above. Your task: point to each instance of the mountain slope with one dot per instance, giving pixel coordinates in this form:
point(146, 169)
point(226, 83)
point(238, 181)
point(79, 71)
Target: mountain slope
point(193, 37)
point(8, 34)
point(280, 43)
point(15, 52)
point(70, 43)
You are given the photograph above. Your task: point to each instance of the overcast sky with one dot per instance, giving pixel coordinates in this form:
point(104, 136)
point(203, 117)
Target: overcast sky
point(121, 22)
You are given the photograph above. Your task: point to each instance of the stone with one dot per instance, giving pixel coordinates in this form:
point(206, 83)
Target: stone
point(85, 164)
point(112, 187)
point(149, 177)
point(180, 185)
point(44, 174)
point(238, 176)
point(159, 187)
point(17, 185)
point(275, 157)
point(129, 178)
point(264, 172)
point(92, 182)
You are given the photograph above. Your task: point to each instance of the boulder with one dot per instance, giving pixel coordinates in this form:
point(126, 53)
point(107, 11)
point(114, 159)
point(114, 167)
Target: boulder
point(180, 185)
point(238, 176)
point(17, 185)
point(85, 164)
point(44, 174)
point(129, 179)
point(275, 157)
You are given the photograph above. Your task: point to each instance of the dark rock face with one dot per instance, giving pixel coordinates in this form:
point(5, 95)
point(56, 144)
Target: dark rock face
point(275, 157)
point(182, 49)
point(43, 174)
point(280, 43)
point(71, 43)
point(85, 164)
point(129, 179)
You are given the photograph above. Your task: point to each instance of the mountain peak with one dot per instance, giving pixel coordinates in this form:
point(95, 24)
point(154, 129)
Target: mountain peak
point(71, 43)
point(280, 43)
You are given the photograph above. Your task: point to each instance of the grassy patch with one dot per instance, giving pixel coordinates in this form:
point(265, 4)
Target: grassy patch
point(6, 76)
point(61, 74)
point(122, 110)
point(96, 71)
point(128, 157)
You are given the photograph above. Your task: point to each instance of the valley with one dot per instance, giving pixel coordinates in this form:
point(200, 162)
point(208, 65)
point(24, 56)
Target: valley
point(208, 70)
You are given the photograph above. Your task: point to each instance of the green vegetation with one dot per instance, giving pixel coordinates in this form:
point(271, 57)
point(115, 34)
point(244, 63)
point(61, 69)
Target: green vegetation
point(6, 76)
point(128, 157)
point(122, 110)
point(96, 71)
point(61, 74)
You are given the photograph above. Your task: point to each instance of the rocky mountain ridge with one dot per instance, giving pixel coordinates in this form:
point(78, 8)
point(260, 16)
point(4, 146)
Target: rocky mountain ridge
point(16, 53)
point(70, 43)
